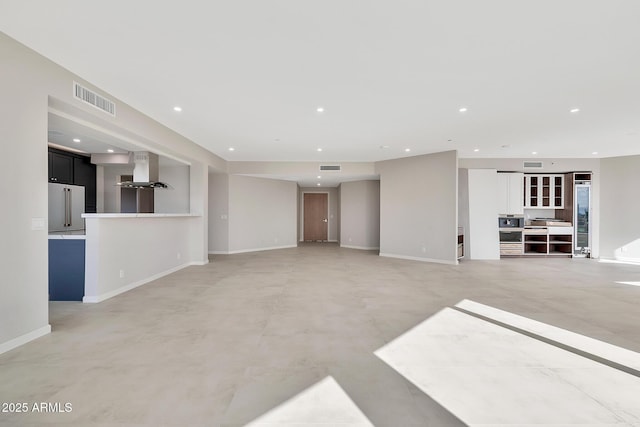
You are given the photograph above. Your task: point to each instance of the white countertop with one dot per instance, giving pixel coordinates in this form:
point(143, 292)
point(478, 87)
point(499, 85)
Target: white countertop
point(60, 236)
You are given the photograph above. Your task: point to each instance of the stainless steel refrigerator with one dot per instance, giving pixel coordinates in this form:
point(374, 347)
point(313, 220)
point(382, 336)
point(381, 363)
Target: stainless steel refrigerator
point(66, 205)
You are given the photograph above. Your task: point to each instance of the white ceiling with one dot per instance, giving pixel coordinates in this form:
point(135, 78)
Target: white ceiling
point(250, 74)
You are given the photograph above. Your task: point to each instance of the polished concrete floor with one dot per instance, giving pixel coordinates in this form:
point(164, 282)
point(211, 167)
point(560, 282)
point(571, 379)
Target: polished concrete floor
point(226, 343)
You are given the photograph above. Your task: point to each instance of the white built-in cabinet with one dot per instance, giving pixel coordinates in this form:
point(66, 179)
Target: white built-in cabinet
point(510, 193)
point(544, 191)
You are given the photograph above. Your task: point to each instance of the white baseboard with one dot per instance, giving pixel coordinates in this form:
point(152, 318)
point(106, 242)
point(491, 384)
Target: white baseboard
point(364, 248)
point(242, 251)
point(125, 288)
point(199, 262)
point(415, 258)
point(23, 339)
point(218, 252)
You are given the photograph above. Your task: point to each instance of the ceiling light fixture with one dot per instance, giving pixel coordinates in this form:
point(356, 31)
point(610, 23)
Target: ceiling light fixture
point(319, 177)
point(232, 149)
point(76, 139)
point(318, 149)
point(534, 152)
point(320, 109)
point(574, 110)
point(109, 150)
point(594, 153)
point(463, 109)
point(318, 184)
point(407, 149)
point(476, 149)
point(177, 108)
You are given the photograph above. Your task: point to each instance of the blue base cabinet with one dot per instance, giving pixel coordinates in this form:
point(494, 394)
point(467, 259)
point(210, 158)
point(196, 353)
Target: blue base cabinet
point(66, 269)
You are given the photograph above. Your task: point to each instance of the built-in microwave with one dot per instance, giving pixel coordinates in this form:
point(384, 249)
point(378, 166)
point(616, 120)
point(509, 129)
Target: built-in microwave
point(511, 222)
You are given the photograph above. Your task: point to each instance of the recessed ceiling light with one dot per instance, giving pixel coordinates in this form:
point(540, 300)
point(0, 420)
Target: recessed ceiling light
point(594, 153)
point(318, 184)
point(407, 149)
point(476, 149)
point(463, 109)
point(177, 108)
point(319, 177)
point(109, 150)
point(231, 149)
point(76, 139)
point(320, 109)
point(574, 110)
point(534, 152)
point(318, 149)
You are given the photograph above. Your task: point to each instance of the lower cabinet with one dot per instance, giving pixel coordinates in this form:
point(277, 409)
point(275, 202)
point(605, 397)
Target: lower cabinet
point(66, 269)
point(549, 241)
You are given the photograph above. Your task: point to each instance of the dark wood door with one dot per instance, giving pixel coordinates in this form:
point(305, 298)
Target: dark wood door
point(316, 216)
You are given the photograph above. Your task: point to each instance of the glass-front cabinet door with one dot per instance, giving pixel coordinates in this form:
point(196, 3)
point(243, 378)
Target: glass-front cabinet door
point(582, 219)
point(544, 191)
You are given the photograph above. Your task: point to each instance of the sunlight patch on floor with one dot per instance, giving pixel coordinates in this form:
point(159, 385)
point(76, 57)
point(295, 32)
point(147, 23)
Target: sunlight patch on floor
point(489, 375)
point(323, 404)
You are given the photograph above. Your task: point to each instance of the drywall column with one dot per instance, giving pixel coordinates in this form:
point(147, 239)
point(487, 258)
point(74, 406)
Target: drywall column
point(419, 207)
point(620, 208)
point(360, 215)
point(482, 240)
point(24, 309)
point(199, 206)
point(218, 213)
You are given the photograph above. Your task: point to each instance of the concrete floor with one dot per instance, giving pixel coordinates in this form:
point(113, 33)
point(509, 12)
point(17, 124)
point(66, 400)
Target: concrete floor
point(222, 344)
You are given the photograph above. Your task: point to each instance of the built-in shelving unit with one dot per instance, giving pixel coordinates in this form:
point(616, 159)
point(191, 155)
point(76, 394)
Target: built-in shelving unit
point(548, 241)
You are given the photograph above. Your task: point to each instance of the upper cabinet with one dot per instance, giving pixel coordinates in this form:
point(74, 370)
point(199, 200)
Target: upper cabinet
point(544, 191)
point(510, 193)
point(74, 169)
point(60, 167)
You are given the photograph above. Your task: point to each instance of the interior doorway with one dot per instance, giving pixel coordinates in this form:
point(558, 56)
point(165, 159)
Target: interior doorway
point(316, 217)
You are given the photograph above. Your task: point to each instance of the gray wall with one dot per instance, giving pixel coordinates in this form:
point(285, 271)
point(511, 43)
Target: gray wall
point(218, 213)
point(262, 213)
point(418, 207)
point(360, 214)
point(111, 190)
point(176, 198)
point(620, 208)
point(30, 85)
point(334, 217)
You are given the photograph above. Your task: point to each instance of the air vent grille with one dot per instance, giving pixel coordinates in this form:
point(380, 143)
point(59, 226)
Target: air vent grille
point(330, 168)
point(88, 96)
point(533, 165)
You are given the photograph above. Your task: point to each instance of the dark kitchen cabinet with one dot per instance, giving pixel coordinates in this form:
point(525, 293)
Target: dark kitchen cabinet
point(74, 169)
point(84, 174)
point(60, 168)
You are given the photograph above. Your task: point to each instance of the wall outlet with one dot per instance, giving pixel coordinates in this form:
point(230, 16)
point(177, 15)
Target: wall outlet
point(178, 255)
point(121, 274)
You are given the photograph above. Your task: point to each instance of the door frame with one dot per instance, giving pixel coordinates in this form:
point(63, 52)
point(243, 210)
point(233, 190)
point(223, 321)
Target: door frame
point(302, 213)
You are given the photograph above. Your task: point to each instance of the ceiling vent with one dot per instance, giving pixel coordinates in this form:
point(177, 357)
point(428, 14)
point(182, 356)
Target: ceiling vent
point(532, 165)
point(88, 96)
point(330, 168)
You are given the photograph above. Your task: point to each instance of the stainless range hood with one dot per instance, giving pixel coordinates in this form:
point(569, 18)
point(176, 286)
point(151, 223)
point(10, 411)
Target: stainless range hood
point(145, 172)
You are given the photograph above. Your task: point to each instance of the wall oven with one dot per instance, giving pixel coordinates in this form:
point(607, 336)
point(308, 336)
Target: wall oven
point(511, 229)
